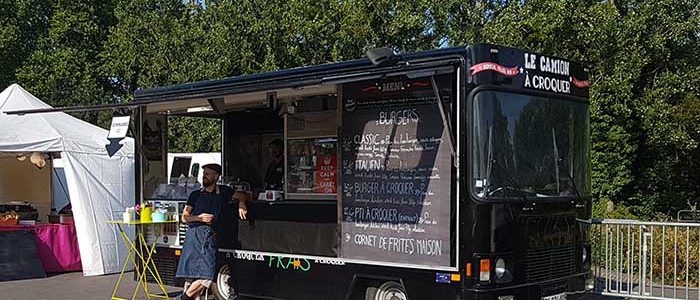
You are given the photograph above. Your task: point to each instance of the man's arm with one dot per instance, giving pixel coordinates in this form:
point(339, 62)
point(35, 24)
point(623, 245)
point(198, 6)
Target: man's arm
point(187, 216)
point(242, 208)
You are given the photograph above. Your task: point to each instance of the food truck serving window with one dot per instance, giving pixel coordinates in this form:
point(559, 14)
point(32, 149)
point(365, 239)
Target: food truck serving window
point(311, 148)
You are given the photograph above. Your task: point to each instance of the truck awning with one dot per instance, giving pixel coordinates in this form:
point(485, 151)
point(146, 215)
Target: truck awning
point(250, 90)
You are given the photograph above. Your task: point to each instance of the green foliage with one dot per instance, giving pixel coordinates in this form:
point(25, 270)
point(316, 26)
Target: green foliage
point(63, 69)
point(162, 43)
point(606, 209)
point(644, 93)
point(187, 135)
point(254, 36)
point(154, 44)
point(9, 40)
point(169, 42)
point(22, 22)
point(643, 54)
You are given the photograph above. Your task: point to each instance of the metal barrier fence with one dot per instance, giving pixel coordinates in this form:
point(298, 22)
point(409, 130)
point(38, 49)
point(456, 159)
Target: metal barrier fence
point(646, 260)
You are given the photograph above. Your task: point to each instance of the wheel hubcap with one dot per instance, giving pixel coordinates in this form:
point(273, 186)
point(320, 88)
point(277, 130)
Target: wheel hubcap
point(390, 291)
point(222, 282)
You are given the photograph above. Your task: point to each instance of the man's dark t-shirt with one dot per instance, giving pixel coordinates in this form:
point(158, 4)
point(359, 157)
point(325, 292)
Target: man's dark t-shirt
point(274, 176)
point(218, 203)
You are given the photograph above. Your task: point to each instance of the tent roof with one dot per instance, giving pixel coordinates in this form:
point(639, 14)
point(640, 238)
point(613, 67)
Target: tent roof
point(48, 132)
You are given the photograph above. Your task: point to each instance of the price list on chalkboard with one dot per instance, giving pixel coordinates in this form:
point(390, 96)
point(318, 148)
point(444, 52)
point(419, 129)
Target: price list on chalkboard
point(396, 174)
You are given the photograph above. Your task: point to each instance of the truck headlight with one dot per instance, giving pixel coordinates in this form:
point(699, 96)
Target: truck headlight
point(586, 257)
point(500, 268)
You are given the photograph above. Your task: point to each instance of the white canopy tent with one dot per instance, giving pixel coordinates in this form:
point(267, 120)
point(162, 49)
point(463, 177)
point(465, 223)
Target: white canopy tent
point(99, 186)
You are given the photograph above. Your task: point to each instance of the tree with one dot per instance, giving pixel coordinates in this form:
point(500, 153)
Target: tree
point(644, 92)
point(160, 43)
point(169, 42)
point(254, 36)
point(64, 68)
point(9, 42)
point(22, 23)
point(643, 54)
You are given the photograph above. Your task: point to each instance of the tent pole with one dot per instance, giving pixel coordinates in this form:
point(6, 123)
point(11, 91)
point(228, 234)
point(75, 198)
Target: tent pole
point(138, 128)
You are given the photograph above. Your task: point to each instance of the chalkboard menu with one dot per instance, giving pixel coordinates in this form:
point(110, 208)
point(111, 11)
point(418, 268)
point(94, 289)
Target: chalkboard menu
point(396, 172)
point(19, 258)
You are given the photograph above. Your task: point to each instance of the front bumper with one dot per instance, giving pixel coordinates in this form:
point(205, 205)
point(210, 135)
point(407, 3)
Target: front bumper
point(574, 287)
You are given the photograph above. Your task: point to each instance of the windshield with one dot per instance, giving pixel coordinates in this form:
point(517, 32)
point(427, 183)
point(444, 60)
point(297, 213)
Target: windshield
point(529, 146)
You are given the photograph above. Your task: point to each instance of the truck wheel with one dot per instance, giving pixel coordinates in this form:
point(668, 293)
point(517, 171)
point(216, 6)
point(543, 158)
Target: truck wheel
point(221, 288)
point(389, 290)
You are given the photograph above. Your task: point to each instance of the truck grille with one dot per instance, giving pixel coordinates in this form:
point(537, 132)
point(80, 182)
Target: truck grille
point(550, 263)
point(550, 252)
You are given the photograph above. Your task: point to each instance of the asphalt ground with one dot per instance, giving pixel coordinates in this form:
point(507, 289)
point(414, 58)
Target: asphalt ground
point(75, 286)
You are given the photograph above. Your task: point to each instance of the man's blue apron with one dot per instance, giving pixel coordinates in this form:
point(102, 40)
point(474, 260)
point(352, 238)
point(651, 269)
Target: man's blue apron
point(198, 260)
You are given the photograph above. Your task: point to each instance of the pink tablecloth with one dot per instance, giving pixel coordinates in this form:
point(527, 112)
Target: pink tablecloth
point(57, 245)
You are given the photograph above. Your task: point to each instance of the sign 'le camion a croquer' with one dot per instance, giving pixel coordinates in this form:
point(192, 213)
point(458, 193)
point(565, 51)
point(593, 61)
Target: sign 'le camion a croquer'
point(538, 72)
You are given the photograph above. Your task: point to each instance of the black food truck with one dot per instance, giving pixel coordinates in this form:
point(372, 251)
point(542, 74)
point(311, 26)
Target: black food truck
point(456, 173)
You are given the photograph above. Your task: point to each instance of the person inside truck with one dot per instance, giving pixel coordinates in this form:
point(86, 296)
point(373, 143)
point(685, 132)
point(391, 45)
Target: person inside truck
point(274, 177)
point(205, 213)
